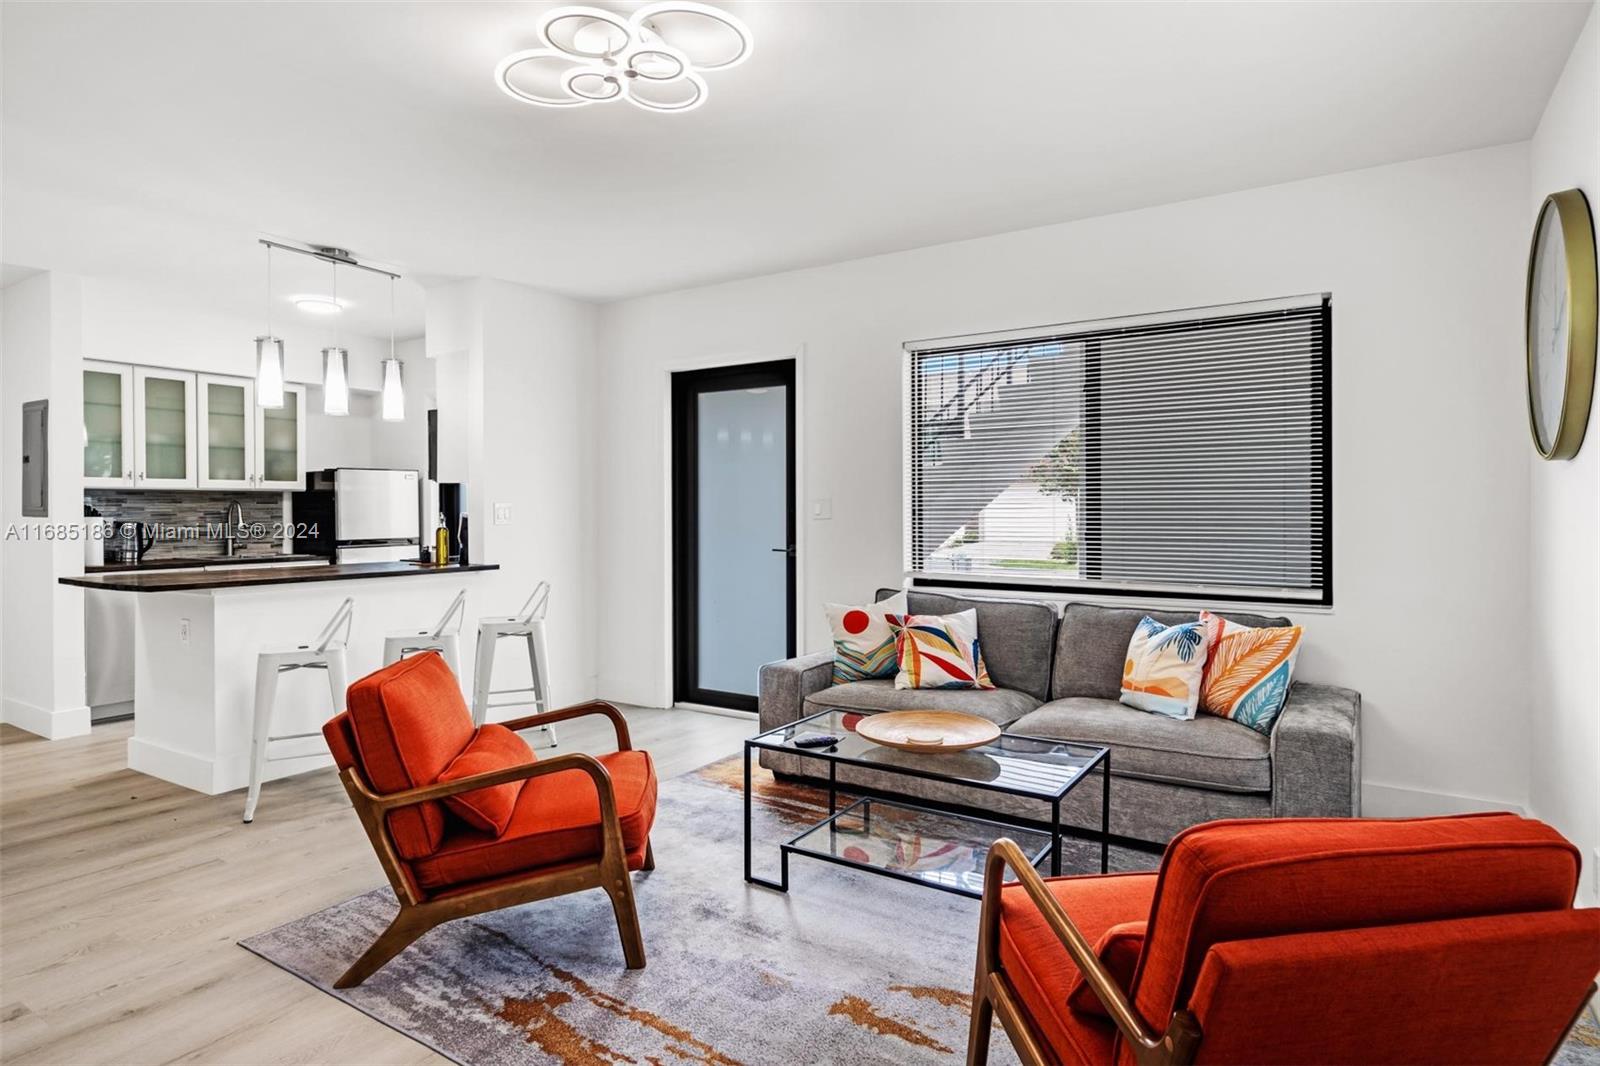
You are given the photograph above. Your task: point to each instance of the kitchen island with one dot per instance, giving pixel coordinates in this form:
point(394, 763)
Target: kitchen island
point(197, 634)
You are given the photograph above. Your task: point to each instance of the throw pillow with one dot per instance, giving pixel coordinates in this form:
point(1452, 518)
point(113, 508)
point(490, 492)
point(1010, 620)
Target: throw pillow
point(1118, 950)
point(1164, 667)
point(1247, 676)
point(494, 747)
point(864, 638)
point(941, 651)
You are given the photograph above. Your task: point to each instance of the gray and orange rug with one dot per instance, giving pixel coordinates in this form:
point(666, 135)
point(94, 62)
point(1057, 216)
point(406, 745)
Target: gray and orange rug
point(845, 968)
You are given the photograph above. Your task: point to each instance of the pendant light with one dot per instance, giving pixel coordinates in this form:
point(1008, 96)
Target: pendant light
point(394, 391)
point(336, 366)
point(269, 356)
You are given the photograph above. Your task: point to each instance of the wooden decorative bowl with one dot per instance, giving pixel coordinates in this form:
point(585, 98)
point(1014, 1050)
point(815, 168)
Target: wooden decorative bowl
point(928, 731)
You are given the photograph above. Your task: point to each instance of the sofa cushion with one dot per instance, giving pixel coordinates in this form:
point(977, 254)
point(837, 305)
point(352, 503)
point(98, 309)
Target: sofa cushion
point(409, 722)
point(1206, 752)
point(556, 820)
point(1092, 645)
point(1044, 974)
point(494, 748)
point(998, 705)
point(1018, 636)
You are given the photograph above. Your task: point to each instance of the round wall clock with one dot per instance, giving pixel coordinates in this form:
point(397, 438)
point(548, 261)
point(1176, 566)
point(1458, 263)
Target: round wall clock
point(1561, 312)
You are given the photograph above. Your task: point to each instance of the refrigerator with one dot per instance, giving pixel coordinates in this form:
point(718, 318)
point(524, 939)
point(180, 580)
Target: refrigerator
point(360, 514)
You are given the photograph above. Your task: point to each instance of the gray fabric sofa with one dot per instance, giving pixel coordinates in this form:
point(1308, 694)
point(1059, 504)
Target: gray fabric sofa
point(1059, 676)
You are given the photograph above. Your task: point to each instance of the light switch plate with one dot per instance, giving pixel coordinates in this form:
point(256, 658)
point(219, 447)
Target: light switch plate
point(183, 631)
point(502, 514)
point(822, 509)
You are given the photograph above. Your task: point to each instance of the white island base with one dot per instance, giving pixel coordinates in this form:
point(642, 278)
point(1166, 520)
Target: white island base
point(195, 667)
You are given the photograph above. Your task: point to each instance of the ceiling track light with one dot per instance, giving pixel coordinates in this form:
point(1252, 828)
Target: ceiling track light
point(653, 59)
point(336, 365)
point(394, 389)
point(269, 356)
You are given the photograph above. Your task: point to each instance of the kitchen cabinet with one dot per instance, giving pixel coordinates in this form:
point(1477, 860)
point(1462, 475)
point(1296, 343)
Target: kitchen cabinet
point(163, 429)
point(280, 434)
point(226, 426)
point(108, 452)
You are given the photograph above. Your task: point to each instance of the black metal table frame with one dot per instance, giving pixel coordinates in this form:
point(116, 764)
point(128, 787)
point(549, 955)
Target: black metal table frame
point(788, 847)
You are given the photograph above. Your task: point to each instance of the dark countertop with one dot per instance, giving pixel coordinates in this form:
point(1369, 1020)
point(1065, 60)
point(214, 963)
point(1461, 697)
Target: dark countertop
point(204, 560)
point(252, 576)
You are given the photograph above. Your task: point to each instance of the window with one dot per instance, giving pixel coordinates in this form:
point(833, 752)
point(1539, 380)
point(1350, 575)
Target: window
point(1185, 454)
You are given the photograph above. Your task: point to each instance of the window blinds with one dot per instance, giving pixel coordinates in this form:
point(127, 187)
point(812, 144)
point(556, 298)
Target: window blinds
point(1182, 454)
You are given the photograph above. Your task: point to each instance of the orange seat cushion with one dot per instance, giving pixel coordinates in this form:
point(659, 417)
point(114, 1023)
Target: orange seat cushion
point(556, 820)
point(410, 721)
point(1249, 879)
point(493, 748)
point(1042, 972)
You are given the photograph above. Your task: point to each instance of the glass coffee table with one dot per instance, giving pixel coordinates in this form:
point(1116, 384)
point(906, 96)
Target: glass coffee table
point(942, 849)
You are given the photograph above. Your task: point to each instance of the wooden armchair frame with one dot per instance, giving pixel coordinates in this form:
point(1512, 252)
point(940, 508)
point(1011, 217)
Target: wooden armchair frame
point(993, 992)
point(420, 911)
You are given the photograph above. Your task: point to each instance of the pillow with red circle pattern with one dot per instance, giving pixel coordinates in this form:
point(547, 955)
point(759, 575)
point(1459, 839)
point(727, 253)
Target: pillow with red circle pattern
point(864, 638)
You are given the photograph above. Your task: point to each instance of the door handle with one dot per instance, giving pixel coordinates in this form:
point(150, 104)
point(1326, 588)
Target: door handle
point(789, 551)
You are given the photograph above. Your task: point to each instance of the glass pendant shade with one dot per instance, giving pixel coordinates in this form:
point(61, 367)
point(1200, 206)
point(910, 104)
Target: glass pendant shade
point(335, 381)
point(394, 393)
point(269, 372)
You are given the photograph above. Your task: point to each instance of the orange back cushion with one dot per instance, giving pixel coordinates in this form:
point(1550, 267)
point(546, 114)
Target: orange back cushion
point(410, 722)
point(494, 748)
point(1243, 880)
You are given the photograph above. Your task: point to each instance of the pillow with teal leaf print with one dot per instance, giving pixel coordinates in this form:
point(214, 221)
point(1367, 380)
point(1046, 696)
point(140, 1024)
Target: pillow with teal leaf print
point(1164, 667)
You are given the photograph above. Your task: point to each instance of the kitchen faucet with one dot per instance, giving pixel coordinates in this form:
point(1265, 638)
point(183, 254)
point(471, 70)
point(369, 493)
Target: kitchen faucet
point(231, 527)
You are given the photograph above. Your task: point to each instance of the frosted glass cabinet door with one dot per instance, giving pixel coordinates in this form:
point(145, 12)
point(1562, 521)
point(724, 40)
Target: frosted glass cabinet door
point(107, 425)
point(281, 442)
point(163, 409)
point(227, 430)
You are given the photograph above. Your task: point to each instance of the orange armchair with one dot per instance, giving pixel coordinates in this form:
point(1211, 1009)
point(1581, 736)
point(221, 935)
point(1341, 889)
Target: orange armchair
point(1439, 940)
point(578, 822)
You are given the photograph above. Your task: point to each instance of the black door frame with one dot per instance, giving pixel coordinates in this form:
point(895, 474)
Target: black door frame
point(687, 385)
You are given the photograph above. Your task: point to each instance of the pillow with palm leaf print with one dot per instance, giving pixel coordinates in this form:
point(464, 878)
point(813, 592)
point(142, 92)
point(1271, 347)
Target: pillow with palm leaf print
point(941, 651)
point(1247, 674)
point(1164, 667)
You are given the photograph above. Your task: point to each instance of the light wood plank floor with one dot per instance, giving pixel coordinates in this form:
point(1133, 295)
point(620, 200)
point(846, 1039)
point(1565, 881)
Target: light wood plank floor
point(121, 898)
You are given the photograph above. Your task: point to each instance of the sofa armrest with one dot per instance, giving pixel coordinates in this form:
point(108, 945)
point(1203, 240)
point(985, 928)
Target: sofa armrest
point(785, 685)
point(1316, 753)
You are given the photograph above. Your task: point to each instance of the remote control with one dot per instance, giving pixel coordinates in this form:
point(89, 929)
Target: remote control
point(817, 740)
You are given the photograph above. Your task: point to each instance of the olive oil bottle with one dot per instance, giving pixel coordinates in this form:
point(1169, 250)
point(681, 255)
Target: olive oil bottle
point(441, 543)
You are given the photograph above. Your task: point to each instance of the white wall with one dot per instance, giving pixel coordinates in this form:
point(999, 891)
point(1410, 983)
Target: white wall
point(1424, 261)
point(516, 391)
point(1564, 576)
point(41, 659)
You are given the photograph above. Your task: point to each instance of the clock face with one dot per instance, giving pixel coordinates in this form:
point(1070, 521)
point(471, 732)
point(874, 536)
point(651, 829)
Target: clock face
point(1548, 328)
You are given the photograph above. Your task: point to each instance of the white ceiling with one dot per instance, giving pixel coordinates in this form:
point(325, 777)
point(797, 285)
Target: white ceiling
point(157, 140)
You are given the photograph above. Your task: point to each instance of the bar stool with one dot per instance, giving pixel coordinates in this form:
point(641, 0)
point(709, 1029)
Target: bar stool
point(323, 653)
point(444, 638)
point(527, 623)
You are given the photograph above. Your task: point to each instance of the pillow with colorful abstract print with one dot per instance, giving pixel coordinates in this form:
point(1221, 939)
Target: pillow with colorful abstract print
point(863, 638)
point(1164, 666)
point(941, 651)
point(1247, 676)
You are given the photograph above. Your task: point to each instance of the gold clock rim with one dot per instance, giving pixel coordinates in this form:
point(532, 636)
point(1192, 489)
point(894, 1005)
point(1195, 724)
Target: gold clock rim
point(1577, 233)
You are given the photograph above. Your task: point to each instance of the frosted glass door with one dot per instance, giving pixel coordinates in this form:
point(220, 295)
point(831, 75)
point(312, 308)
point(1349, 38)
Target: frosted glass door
point(227, 432)
point(740, 537)
point(281, 432)
point(107, 425)
point(164, 428)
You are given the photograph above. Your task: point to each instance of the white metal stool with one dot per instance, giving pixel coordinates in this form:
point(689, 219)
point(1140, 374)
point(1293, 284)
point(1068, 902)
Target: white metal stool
point(323, 653)
point(444, 638)
point(528, 624)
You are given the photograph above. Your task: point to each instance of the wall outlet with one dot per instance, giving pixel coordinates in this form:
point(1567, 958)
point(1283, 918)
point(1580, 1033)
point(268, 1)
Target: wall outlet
point(502, 514)
point(183, 631)
point(821, 509)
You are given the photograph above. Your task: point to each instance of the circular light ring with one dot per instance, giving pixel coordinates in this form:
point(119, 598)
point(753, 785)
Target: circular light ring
point(657, 52)
point(318, 305)
point(555, 29)
point(689, 79)
point(503, 72)
point(570, 81)
point(644, 15)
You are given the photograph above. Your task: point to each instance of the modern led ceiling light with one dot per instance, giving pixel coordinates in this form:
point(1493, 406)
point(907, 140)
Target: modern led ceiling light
point(269, 355)
point(394, 389)
point(653, 59)
point(336, 365)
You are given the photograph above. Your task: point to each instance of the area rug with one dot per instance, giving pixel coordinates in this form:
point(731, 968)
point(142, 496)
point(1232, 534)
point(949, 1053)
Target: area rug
point(845, 968)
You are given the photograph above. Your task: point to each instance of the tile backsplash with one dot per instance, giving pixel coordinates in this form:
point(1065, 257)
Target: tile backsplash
point(186, 520)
